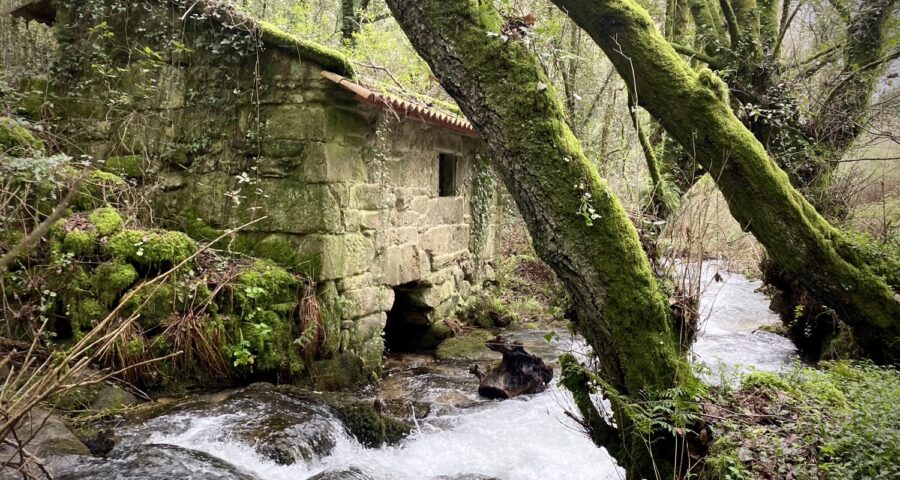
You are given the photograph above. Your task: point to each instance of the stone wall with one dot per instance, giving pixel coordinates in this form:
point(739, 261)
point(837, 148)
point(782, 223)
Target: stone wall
point(222, 127)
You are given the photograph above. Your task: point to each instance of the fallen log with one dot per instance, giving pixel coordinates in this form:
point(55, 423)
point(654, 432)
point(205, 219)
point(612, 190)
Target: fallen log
point(519, 373)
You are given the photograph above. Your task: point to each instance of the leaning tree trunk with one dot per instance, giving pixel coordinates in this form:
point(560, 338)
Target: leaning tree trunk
point(578, 226)
point(693, 107)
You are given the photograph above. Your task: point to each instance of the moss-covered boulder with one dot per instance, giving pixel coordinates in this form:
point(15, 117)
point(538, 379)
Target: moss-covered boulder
point(150, 248)
point(129, 166)
point(16, 140)
point(106, 220)
point(369, 426)
point(110, 279)
point(467, 347)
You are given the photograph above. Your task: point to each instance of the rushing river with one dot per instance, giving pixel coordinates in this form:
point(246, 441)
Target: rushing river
point(230, 436)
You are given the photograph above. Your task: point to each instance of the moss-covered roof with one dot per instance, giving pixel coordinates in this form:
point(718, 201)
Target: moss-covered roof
point(327, 57)
point(42, 10)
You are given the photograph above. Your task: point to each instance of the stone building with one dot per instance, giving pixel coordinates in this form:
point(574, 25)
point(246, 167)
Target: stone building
point(387, 203)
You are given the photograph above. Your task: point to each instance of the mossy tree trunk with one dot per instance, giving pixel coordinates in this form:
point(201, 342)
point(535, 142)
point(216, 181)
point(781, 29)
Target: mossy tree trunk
point(806, 146)
point(694, 109)
point(578, 226)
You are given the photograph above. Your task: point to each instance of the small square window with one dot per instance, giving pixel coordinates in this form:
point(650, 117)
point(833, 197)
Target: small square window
point(447, 175)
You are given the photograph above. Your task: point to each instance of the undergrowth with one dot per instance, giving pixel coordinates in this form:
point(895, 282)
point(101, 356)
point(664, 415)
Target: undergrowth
point(837, 422)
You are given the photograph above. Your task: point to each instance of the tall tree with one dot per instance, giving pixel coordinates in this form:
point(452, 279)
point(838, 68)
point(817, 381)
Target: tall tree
point(693, 106)
point(745, 38)
point(578, 226)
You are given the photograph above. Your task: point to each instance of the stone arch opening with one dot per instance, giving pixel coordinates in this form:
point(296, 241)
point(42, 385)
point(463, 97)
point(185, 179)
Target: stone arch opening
point(410, 320)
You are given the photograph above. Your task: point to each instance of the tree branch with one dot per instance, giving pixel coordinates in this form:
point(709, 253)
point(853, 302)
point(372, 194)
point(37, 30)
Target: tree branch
point(690, 52)
point(785, 24)
point(41, 229)
point(842, 9)
point(734, 30)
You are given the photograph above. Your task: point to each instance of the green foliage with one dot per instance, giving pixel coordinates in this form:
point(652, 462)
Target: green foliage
point(723, 463)
point(839, 421)
point(487, 311)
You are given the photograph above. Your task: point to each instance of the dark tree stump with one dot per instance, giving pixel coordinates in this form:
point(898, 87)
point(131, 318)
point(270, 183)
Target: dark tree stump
point(519, 373)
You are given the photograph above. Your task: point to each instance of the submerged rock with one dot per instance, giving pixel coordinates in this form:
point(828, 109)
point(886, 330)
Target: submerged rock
point(155, 462)
point(466, 476)
point(349, 474)
point(519, 373)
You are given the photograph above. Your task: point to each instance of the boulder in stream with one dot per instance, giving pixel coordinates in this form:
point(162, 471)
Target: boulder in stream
point(519, 373)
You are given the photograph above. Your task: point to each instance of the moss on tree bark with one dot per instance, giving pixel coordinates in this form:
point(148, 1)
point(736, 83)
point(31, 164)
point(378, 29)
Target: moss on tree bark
point(693, 107)
point(578, 226)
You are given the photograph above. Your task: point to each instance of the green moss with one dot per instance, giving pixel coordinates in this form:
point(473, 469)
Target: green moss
point(83, 315)
point(438, 332)
point(777, 329)
point(98, 189)
point(488, 311)
point(113, 278)
point(371, 428)
point(79, 242)
point(327, 57)
point(16, 141)
point(130, 166)
point(154, 304)
point(278, 249)
point(124, 245)
point(469, 346)
point(264, 284)
point(106, 220)
point(192, 224)
point(266, 298)
point(152, 248)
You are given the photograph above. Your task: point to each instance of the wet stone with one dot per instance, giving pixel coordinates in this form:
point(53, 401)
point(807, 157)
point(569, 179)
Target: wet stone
point(156, 462)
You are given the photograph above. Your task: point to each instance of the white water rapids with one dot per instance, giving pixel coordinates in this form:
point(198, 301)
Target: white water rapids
point(463, 437)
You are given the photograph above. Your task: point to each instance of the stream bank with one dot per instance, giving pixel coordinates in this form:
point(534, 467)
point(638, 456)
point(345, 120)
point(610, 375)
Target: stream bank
point(272, 433)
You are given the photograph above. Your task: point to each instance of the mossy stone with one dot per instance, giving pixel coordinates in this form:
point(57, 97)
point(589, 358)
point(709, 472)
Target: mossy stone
point(106, 220)
point(278, 249)
point(97, 189)
point(469, 347)
point(16, 141)
point(129, 166)
point(371, 428)
point(80, 243)
point(265, 283)
point(83, 315)
point(111, 279)
point(152, 248)
point(154, 304)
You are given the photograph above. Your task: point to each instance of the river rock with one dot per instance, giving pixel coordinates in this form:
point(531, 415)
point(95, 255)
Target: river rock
point(352, 473)
point(51, 436)
point(155, 462)
point(283, 428)
point(519, 373)
point(466, 476)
